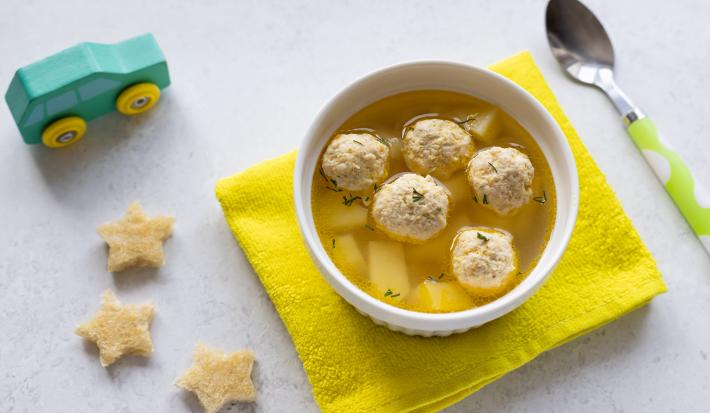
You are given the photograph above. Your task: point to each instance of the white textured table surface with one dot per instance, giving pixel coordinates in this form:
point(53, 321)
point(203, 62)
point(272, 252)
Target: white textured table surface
point(248, 77)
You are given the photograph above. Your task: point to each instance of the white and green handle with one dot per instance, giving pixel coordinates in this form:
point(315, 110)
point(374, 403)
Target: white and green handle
point(687, 193)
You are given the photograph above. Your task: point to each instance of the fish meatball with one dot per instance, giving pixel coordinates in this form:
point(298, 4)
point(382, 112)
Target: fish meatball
point(356, 161)
point(411, 208)
point(484, 261)
point(501, 178)
point(437, 147)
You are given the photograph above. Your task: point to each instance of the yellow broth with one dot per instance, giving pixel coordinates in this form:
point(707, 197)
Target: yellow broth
point(347, 232)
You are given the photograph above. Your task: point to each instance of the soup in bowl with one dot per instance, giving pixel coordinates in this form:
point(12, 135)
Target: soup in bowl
point(435, 196)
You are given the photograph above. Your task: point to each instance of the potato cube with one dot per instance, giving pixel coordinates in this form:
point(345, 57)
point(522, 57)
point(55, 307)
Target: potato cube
point(388, 269)
point(484, 125)
point(347, 254)
point(343, 218)
point(441, 296)
point(395, 148)
point(460, 190)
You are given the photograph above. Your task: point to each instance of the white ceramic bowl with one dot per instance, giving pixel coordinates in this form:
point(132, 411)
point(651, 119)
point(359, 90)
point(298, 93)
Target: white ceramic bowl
point(461, 78)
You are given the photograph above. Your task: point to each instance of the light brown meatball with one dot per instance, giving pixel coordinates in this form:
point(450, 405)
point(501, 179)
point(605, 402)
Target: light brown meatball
point(411, 208)
point(501, 178)
point(436, 147)
point(484, 260)
point(356, 161)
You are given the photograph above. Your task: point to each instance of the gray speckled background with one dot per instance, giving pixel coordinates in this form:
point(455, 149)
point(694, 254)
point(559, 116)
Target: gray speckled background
point(248, 77)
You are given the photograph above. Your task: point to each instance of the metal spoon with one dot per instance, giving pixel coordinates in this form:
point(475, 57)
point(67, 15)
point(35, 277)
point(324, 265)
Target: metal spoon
point(582, 47)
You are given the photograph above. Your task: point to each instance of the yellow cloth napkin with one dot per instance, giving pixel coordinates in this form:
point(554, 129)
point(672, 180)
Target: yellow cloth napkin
point(356, 366)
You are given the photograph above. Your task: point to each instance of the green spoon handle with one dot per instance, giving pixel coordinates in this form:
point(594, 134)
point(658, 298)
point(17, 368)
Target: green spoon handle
point(687, 193)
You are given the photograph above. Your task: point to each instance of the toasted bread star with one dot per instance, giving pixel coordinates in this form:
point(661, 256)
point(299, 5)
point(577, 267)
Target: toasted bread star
point(136, 240)
point(219, 378)
point(119, 329)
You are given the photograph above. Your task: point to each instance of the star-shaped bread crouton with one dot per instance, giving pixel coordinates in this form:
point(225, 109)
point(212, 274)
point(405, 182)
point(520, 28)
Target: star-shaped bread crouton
point(119, 329)
point(136, 240)
point(219, 378)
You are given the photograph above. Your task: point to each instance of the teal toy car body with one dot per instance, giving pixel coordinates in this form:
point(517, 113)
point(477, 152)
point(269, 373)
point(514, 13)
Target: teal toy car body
point(52, 99)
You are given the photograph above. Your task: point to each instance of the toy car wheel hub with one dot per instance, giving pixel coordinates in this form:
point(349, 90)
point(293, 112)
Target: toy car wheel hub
point(66, 137)
point(140, 102)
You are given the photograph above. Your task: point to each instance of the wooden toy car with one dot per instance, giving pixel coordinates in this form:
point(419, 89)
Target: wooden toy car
point(52, 99)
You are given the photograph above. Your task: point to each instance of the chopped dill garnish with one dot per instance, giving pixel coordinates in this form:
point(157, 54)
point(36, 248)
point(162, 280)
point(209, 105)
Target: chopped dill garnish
point(329, 181)
point(432, 279)
point(333, 240)
point(382, 140)
point(485, 199)
point(475, 198)
point(388, 292)
point(394, 295)
point(322, 173)
point(541, 199)
point(348, 200)
point(482, 237)
point(494, 168)
point(368, 226)
point(358, 142)
point(416, 196)
point(469, 118)
point(375, 187)
point(367, 199)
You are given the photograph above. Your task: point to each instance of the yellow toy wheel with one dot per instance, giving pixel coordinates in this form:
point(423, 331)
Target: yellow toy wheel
point(64, 132)
point(138, 98)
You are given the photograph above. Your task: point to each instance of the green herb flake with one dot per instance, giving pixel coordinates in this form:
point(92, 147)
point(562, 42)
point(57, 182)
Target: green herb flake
point(482, 237)
point(416, 196)
point(492, 166)
point(388, 292)
point(432, 279)
point(485, 199)
point(358, 142)
point(541, 199)
point(382, 140)
point(322, 173)
point(469, 118)
point(375, 187)
point(348, 200)
point(394, 295)
point(368, 226)
point(475, 198)
point(333, 240)
point(329, 181)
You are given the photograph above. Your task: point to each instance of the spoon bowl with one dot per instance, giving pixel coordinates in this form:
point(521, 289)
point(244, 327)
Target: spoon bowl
point(578, 40)
point(581, 45)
